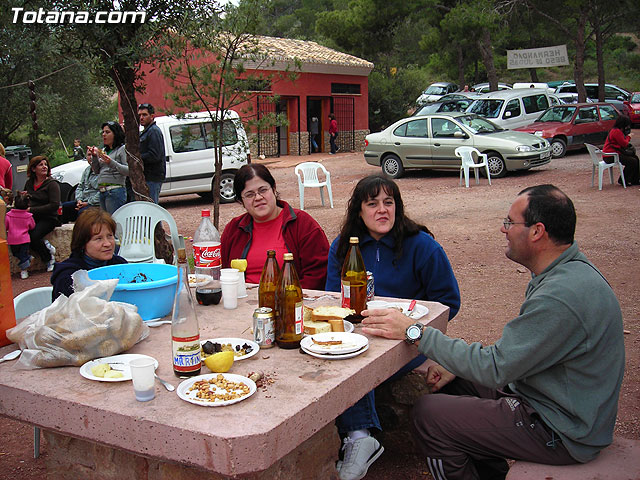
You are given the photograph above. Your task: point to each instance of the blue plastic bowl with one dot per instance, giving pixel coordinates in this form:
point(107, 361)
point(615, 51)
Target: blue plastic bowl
point(149, 286)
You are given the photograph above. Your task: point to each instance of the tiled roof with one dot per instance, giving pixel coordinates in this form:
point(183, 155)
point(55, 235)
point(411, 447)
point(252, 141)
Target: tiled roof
point(307, 52)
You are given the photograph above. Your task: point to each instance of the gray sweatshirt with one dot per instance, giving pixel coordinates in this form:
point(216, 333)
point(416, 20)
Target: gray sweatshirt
point(116, 171)
point(563, 355)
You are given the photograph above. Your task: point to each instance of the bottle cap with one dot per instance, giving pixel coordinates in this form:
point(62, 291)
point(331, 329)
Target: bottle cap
point(182, 255)
point(354, 240)
point(288, 256)
point(206, 212)
point(271, 253)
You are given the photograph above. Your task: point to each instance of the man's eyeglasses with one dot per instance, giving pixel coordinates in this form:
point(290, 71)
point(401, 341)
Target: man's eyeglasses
point(262, 191)
point(507, 223)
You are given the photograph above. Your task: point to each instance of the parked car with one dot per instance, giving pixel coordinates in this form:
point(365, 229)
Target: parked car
point(533, 85)
point(458, 96)
point(429, 141)
point(634, 108)
point(616, 96)
point(511, 108)
point(447, 106)
point(569, 127)
point(484, 87)
point(188, 144)
point(435, 91)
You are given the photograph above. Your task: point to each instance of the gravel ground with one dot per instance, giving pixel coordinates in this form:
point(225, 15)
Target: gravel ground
point(466, 222)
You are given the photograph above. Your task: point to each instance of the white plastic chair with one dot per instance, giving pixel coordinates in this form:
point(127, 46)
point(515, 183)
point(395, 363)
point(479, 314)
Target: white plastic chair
point(24, 305)
point(465, 154)
point(309, 179)
point(135, 226)
point(598, 162)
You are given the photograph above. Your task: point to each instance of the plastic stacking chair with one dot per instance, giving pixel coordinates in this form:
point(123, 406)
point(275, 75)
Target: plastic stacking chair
point(24, 305)
point(466, 155)
point(309, 178)
point(598, 162)
point(135, 226)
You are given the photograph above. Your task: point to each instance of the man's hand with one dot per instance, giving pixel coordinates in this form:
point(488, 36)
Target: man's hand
point(438, 377)
point(80, 204)
point(385, 322)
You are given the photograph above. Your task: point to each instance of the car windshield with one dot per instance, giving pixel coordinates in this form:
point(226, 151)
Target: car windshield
point(435, 90)
point(431, 108)
point(557, 114)
point(635, 98)
point(489, 108)
point(478, 125)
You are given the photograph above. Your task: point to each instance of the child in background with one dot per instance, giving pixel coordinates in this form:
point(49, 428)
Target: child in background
point(18, 222)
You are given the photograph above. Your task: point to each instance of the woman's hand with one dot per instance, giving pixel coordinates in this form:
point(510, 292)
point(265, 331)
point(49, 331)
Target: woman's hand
point(104, 157)
point(386, 322)
point(438, 377)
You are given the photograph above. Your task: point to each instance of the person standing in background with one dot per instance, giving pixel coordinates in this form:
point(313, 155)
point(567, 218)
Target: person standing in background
point(152, 151)
point(333, 133)
point(111, 167)
point(78, 152)
point(313, 133)
point(6, 176)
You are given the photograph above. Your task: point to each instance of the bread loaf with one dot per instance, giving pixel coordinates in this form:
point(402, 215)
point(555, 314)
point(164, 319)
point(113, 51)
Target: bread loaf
point(337, 325)
point(330, 312)
point(311, 327)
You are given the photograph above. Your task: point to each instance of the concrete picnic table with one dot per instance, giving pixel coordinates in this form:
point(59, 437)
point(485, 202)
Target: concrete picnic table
point(97, 430)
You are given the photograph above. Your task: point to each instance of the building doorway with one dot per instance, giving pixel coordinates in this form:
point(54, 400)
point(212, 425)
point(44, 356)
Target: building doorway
point(314, 125)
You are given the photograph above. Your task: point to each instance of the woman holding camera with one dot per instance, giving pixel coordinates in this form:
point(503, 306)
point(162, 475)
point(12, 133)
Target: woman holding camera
point(619, 141)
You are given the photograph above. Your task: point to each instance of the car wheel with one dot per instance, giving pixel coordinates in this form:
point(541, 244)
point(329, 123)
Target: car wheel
point(497, 168)
point(392, 166)
point(227, 195)
point(558, 148)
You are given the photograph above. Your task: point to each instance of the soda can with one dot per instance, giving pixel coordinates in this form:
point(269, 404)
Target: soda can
point(264, 329)
point(370, 287)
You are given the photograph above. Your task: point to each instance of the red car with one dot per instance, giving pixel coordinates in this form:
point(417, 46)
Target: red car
point(634, 108)
point(570, 126)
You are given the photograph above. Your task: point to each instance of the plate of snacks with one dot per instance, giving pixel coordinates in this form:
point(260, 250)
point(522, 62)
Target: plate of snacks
point(198, 279)
point(337, 356)
point(216, 389)
point(334, 343)
point(241, 347)
point(111, 369)
point(326, 319)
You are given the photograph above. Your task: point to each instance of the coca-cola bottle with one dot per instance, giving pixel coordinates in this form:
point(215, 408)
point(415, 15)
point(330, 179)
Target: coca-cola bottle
point(289, 305)
point(185, 333)
point(354, 280)
point(206, 250)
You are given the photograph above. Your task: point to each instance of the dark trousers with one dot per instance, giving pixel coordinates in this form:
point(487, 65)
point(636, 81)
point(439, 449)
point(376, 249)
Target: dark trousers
point(21, 252)
point(631, 174)
point(43, 226)
point(466, 431)
point(332, 142)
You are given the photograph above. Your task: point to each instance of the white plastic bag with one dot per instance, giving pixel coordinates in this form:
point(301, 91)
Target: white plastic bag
point(79, 328)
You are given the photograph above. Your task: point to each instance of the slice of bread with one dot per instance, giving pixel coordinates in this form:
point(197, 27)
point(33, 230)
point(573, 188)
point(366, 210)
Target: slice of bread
point(337, 325)
point(311, 327)
point(330, 312)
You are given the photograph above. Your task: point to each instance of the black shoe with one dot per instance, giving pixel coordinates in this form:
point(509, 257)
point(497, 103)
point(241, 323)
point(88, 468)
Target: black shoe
point(619, 180)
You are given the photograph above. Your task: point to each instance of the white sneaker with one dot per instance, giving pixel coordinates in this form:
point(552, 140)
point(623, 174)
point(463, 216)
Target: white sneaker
point(50, 264)
point(50, 247)
point(358, 457)
point(24, 274)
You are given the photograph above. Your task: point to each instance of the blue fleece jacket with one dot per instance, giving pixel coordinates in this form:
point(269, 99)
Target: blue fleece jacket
point(422, 273)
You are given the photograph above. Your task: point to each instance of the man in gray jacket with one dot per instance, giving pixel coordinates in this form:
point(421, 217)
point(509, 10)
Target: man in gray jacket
point(547, 390)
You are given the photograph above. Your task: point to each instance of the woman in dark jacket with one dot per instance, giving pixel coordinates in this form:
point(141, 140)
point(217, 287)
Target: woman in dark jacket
point(92, 245)
point(44, 193)
point(618, 141)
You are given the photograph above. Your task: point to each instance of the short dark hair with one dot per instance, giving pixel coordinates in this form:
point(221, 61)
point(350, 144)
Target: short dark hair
point(354, 226)
point(246, 173)
point(21, 201)
point(554, 209)
point(118, 133)
point(148, 107)
point(35, 161)
point(88, 221)
point(622, 121)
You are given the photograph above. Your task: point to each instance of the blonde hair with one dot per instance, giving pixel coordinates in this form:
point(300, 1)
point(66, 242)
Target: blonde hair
point(1, 150)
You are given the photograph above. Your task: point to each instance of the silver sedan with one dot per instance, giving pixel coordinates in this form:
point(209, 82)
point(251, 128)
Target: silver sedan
point(429, 141)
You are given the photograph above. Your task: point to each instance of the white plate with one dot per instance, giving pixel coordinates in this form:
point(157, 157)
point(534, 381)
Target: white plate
point(351, 342)
point(348, 326)
point(419, 311)
point(194, 279)
point(235, 341)
point(330, 356)
point(119, 362)
point(190, 396)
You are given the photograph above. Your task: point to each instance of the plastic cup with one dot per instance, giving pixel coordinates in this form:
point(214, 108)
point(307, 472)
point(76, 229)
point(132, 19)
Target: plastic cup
point(229, 274)
point(229, 294)
point(242, 286)
point(376, 304)
point(143, 375)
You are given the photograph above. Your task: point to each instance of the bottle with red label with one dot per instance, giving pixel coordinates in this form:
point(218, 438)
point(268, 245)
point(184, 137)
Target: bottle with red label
point(206, 250)
point(185, 332)
point(353, 285)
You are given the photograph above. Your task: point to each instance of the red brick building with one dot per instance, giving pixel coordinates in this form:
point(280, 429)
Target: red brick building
point(327, 81)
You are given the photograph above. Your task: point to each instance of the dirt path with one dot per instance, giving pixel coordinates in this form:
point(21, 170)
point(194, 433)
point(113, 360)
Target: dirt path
point(466, 222)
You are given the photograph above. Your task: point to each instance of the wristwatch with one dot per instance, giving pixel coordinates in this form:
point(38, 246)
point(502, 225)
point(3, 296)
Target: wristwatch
point(413, 333)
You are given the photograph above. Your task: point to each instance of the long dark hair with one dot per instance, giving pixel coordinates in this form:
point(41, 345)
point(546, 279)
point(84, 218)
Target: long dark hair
point(353, 226)
point(246, 173)
point(118, 133)
point(621, 122)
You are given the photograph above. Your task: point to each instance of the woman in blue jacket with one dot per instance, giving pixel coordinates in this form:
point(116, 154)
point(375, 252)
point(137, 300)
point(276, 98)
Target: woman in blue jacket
point(406, 262)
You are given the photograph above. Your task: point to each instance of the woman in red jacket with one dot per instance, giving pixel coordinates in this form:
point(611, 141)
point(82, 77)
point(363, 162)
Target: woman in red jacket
point(272, 224)
point(618, 141)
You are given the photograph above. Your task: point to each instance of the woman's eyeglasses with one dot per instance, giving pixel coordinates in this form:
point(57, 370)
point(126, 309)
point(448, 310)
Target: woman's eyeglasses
point(262, 191)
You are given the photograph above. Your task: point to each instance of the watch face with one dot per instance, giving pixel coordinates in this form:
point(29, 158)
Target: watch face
point(413, 332)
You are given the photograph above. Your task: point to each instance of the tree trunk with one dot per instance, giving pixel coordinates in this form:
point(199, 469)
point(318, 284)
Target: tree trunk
point(578, 69)
point(534, 75)
point(599, 58)
point(124, 79)
point(486, 51)
point(461, 81)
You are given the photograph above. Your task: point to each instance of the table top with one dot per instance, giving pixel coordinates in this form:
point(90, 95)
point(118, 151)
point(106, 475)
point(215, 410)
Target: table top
point(307, 393)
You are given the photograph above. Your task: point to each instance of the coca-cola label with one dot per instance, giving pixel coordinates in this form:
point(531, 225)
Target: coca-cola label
point(207, 255)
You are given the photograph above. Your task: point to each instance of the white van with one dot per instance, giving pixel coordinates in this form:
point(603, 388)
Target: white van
point(511, 108)
point(188, 145)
